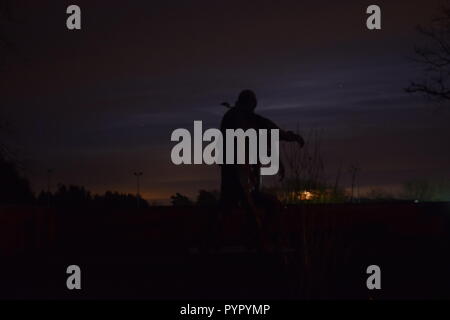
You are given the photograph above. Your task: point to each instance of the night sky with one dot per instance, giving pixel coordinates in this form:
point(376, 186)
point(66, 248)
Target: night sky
point(98, 104)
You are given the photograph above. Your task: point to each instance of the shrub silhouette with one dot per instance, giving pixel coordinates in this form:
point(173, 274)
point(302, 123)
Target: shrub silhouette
point(179, 200)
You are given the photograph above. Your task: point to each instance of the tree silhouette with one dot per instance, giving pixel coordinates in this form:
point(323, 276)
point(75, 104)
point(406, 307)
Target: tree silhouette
point(78, 197)
point(207, 199)
point(425, 190)
point(434, 56)
point(14, 189)
point(178, 200)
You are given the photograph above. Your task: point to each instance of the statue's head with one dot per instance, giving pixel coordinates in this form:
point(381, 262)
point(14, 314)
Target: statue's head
point(247, 100)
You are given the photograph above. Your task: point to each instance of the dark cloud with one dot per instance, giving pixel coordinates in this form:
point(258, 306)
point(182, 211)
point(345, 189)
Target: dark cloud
point(102, 102)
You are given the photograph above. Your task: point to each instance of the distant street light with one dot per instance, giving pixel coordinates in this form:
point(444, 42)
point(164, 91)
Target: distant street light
point(138, 175)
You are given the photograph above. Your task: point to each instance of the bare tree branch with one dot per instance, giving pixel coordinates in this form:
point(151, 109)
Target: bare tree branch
point(434, 56)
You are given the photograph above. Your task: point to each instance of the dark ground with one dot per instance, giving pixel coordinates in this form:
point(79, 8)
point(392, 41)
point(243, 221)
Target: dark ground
point(166, 253)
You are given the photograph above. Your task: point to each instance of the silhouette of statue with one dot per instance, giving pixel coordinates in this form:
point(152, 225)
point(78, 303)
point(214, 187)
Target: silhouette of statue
point(240, 183)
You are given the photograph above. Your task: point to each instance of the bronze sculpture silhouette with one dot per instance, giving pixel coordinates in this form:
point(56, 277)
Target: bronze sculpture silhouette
point(240, 183)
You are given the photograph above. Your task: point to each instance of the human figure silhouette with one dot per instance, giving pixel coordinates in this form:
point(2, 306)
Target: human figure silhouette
point(240, 183)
